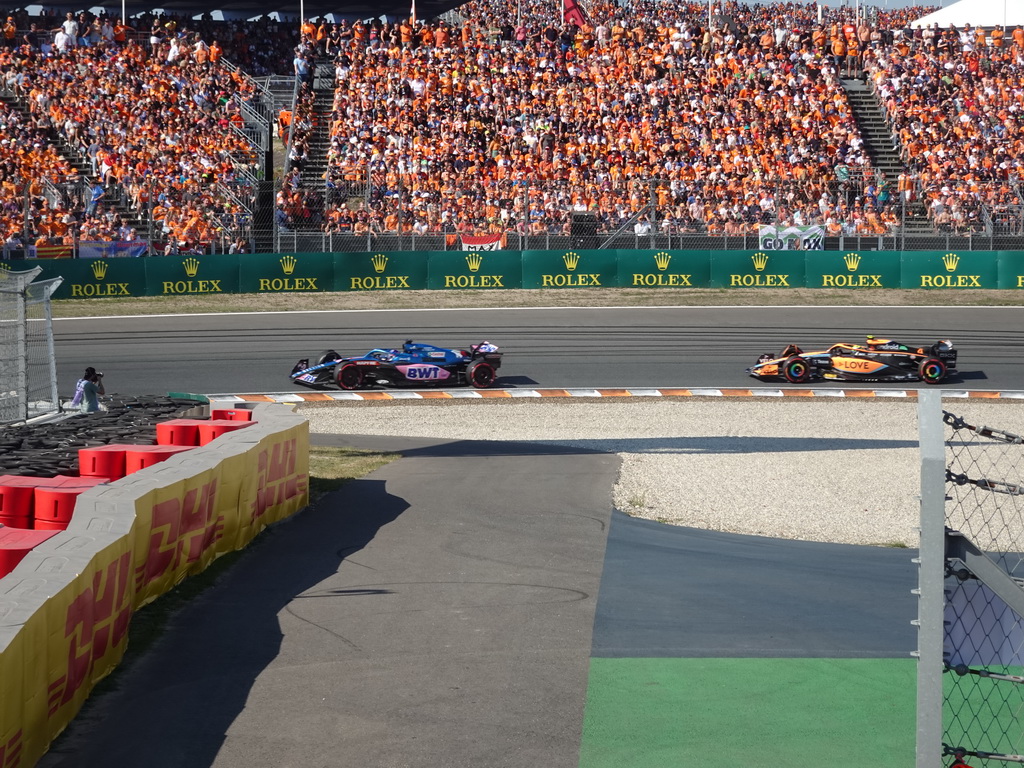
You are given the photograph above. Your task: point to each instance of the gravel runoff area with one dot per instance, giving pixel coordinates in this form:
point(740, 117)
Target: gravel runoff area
point(830, 470)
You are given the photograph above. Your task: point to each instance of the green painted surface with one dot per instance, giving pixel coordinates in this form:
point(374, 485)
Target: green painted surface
point(749, 713)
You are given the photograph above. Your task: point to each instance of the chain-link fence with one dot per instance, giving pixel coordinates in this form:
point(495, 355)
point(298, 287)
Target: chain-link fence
point(28, 370)
point(362, 209)
point(982, 598)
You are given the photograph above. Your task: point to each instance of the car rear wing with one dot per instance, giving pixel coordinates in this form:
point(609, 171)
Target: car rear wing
point(946, 352)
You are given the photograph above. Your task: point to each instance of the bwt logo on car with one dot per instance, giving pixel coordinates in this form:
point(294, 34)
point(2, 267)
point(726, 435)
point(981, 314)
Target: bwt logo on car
point(423, 372)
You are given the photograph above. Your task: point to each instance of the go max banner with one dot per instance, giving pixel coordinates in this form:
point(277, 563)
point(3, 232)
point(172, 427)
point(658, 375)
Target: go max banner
point(853, 269)
point(391, 271)
point(772, 238)
point(757, 269)
point(570, 269)
point(664, 269)
point(286, 273)
point(450, 270)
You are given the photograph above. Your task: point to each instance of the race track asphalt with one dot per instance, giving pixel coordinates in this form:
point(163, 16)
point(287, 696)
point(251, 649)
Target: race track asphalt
point(569, 347)
point(436, 613)
point(440, 613)
point(480, 604)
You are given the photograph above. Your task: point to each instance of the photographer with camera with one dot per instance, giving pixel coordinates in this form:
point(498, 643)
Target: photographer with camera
point(87, 391)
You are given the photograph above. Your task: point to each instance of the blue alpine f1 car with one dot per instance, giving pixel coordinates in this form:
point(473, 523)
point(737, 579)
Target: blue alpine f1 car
point(412, 365)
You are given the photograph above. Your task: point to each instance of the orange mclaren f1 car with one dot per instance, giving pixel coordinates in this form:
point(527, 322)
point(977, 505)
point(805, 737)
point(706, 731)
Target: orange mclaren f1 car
point(875, 360)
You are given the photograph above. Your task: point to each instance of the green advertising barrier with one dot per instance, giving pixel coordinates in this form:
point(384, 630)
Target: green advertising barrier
point(757, 269)
point(391, 271)
point(89, 278)
point(454, 270)
point(191, 275)
point(467, 270)
point(570, 269)
point(664, 269)
point(1010, 269)
point(285, 272)
point(961, 269)
point(853, 269)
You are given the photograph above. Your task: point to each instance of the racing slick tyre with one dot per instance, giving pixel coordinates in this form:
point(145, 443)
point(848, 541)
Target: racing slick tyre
point(350, 376)
point(932, 370)
point(481, 374)
point(796, 370)
point(327, 356)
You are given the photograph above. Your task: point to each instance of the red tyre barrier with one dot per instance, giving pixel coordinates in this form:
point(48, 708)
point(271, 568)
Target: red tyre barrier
point(241, 414)
point(212, 429)
point(141, 456)
point(15, 502)
point(178, 432)
point(102, 461)
point(15, 544)
point(54, 505)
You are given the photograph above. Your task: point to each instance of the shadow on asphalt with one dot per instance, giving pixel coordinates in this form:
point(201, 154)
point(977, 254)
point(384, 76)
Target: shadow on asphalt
point(688, 445)
point(199, 675)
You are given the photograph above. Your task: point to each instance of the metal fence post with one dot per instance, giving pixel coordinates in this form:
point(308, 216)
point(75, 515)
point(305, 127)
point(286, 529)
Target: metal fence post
point(931, 575)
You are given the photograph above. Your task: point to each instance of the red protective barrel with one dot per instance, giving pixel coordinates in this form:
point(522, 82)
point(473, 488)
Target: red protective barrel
point(15, 502)
point(141, 456)
point(15, 544)
point(102, 461)
point(214, 428)
point(240, 414)
point(178, 432)
point(54, 505)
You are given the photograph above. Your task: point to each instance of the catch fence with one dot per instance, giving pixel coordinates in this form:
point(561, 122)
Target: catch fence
point(28, 371)
point(971, 623)
point(367, 210)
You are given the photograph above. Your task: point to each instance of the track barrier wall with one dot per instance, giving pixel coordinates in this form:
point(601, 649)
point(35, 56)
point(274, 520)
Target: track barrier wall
point(472, 270)
point(66, 607)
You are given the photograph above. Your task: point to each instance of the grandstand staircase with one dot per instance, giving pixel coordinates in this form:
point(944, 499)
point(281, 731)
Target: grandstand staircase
point(320, 137)
point(309, 235)
point(881, 146)
point(84, 167)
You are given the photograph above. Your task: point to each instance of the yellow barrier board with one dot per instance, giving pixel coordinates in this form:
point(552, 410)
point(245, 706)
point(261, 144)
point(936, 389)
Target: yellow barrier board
point(64, 630)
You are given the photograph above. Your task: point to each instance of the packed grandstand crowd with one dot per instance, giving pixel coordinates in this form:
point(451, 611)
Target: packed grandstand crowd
point(507, 118)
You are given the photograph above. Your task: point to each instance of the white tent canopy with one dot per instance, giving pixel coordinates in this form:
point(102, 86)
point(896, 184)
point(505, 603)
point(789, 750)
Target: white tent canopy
point(977, 13)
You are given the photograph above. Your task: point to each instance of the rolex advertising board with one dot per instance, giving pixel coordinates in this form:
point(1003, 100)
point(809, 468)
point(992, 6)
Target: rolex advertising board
point(89, 278)
point(945, 270)
point(1011, 269)
point(286, 273)
point(192, 275)
point(853, 269)
point(391, 271)
point(664, 269)
point(451, 270)
point(570, 269)
point(758, 269)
